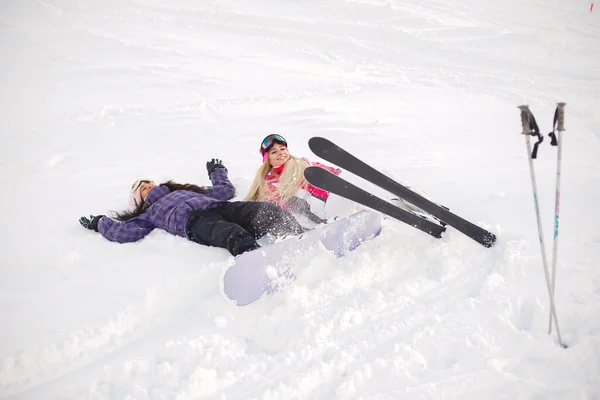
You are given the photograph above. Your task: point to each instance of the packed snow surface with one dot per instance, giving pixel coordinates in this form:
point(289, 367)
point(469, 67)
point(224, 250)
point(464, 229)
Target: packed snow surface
point(96, 94)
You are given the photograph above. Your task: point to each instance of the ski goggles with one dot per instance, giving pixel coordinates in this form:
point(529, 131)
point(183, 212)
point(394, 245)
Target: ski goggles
point(269, 141)
point(135, 198)
point(136, 185)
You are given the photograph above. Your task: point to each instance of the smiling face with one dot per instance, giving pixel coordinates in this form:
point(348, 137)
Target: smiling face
point(278, 155)
point(139, 191)
point(145, 189)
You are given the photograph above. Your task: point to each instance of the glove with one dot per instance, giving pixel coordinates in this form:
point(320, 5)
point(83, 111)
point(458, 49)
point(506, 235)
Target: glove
point(213, 165)
point(92, 222)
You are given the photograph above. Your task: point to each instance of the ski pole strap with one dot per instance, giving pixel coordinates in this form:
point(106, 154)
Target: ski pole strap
point(558, 123)
point(530, 127)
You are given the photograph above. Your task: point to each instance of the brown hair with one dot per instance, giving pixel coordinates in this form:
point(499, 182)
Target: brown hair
point(143, 206)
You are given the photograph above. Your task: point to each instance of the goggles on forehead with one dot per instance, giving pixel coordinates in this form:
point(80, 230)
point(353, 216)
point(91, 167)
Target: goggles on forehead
point(136, 185)
point(269, 141)
point(136, 196)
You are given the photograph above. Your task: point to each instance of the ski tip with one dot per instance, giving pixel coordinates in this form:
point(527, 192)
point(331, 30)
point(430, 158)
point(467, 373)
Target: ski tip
point(312, 171)
point(316, 142)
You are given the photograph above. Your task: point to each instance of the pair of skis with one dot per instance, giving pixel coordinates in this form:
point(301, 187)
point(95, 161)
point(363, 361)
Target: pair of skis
point(325, 180)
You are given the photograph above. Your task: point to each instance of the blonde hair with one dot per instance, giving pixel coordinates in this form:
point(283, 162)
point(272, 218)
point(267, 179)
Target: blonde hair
point(290, 181)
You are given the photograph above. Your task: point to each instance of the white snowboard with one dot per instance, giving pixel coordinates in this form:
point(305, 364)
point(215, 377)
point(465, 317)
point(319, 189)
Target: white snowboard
point(263, 271)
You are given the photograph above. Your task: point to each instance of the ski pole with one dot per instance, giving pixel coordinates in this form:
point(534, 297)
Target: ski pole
point(559, 127)
point(530, 128)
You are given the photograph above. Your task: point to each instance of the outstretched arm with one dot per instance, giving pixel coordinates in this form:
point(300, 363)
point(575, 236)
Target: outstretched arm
point(315, 191)
point(222, 188)
point(125, 232)
point(329, 168)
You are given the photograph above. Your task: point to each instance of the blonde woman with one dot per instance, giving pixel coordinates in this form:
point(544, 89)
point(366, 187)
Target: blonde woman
point(280, 179)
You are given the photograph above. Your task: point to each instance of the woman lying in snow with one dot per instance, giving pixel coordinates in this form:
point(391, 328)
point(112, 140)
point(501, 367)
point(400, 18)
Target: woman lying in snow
point(201, 214)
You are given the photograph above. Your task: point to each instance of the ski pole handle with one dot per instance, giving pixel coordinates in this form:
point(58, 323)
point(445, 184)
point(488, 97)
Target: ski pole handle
point(560, 114)
point(525, 121)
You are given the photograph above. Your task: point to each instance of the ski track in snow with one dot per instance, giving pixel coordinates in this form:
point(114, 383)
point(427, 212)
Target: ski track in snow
point(321, 330)
point(403, 316)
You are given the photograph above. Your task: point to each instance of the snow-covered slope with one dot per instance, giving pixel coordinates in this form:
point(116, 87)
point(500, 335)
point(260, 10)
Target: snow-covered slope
point(97, 94)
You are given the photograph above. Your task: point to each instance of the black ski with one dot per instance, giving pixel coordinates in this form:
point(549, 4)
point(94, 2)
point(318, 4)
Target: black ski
point(332, 183)
point(333, 153)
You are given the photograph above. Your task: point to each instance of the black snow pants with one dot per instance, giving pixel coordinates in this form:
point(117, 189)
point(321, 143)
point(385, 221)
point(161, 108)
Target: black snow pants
point(236, 225)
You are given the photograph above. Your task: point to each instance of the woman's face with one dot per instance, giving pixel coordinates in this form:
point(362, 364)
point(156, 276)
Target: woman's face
point(278, 155)
point(145, 189)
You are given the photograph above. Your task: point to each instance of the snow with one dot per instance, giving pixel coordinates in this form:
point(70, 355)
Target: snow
point(97, 94)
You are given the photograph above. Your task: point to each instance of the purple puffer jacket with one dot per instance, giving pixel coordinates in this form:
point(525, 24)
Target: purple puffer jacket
point(168, 210)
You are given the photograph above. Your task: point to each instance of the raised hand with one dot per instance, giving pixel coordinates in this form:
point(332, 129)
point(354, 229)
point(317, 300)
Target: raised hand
point(213, 165)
